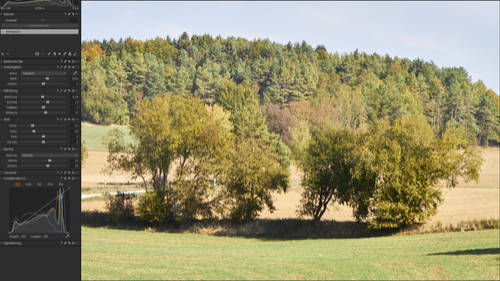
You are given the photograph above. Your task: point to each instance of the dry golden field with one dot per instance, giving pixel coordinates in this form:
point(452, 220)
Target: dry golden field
point(466, 201)
point(92, 172)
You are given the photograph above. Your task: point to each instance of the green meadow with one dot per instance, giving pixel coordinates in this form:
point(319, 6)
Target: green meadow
point(135, 255)
point(93, 134)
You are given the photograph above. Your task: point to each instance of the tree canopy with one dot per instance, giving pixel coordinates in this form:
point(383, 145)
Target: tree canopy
point(388, 173)
point(365, 87)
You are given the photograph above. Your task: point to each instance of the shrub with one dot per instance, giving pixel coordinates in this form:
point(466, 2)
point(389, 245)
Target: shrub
point(154, 208)
point(120, 206)
point(192, 199)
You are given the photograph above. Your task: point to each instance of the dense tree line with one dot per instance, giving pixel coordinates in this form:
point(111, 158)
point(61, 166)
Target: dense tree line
point(362, 88)
point(217, 121)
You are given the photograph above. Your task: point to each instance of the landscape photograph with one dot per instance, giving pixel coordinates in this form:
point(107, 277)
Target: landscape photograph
point(290, 140)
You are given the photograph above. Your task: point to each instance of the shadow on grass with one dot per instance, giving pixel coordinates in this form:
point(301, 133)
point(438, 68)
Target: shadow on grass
point(266, 229)
point(487, 251)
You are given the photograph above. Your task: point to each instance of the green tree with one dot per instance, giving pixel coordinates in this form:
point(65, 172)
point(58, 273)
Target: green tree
point(460, 103)
point(172, 132)
point(255, 172)
point(485, 113)
point(328, 164)
point(154, 82)
point(259, 164)
point(100, 103)
point(389, 173)
point(180, 82)
point(136, 69)
point(206, 79)
point(407, 164)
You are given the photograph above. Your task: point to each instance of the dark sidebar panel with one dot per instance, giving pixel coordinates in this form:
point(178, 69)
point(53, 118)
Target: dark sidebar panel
point(40, 140)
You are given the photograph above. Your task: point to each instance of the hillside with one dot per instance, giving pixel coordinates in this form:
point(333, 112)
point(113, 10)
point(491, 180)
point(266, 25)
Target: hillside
point(354, 89)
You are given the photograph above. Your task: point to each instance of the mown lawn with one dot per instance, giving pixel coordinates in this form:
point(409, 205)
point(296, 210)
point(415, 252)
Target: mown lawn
point(128, 254)
point(92, 135)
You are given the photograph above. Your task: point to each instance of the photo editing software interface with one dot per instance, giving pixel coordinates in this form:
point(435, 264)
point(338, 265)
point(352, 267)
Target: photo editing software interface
point(40, 139)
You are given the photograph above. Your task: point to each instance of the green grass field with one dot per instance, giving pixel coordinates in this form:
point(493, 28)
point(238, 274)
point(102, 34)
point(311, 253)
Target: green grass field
point(92, 135)
point(128, 254)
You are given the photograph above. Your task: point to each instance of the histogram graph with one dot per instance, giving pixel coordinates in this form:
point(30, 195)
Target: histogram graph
point(39, 211)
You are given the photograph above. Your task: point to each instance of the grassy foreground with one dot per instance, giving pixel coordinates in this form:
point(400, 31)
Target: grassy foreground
point(128, 254)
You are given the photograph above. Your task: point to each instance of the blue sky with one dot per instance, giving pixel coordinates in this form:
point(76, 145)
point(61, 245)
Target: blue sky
point(448, 33)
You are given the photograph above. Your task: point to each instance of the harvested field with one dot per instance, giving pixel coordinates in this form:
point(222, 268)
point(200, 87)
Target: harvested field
point(467, 201)
point(92, 172)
